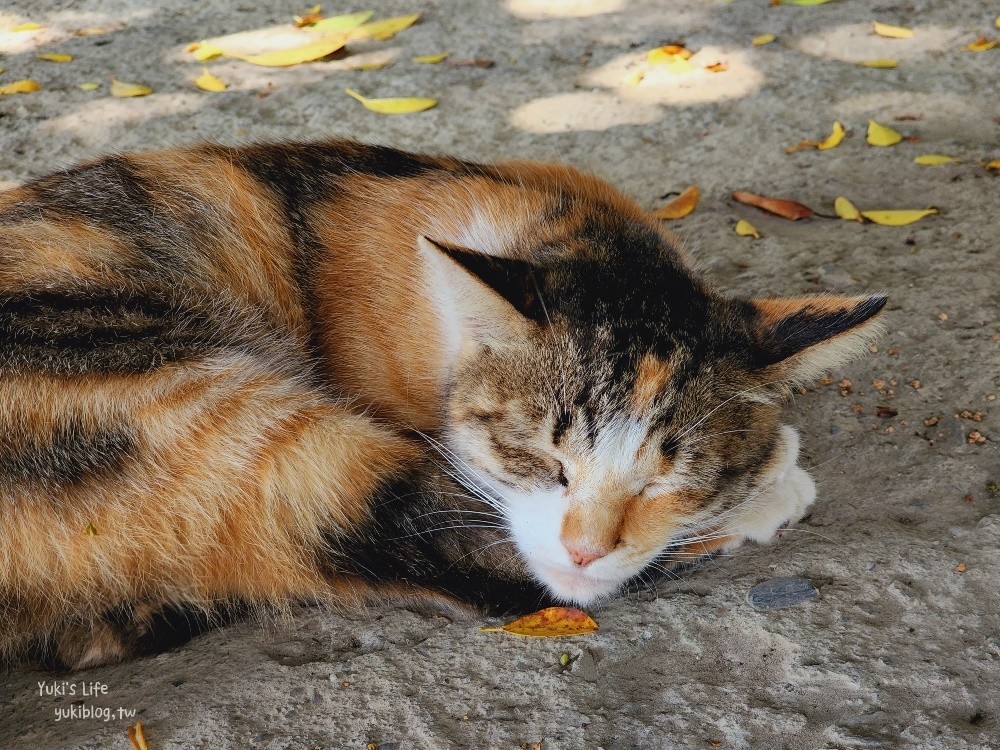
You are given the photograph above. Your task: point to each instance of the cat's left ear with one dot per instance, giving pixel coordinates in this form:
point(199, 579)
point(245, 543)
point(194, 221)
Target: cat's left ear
point(800, 338)
point(481, 297)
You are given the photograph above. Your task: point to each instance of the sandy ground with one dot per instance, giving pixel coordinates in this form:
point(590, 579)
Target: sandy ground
point(900, 649)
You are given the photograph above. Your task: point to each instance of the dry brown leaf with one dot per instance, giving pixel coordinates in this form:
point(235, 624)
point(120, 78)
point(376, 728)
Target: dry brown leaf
point(782, 207)
point(680, 206)
point(717, 67)
point(469, 62)
point(549, 623)
point(995, 164)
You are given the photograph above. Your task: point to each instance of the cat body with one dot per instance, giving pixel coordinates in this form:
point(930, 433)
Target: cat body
point(234, 378)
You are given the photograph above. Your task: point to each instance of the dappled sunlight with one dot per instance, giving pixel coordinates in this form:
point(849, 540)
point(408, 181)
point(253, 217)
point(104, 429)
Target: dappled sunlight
point(658, 85)
point(94, 123)
point(857, 42)
point(532, 9)
point(633, 92)
point(582, 110)
point(58, 27)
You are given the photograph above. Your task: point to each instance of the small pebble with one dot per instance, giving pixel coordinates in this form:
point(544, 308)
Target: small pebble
point(781, 592)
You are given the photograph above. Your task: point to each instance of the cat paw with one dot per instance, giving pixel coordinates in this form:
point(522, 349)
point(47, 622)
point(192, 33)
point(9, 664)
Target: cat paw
point(784, 499)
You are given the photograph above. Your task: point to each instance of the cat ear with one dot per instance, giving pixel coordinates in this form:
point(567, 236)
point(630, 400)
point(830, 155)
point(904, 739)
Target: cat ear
point(480, 297)
point(800, 338)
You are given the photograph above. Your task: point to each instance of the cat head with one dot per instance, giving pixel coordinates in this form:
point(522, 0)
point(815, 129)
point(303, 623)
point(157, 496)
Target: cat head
point(608, 404)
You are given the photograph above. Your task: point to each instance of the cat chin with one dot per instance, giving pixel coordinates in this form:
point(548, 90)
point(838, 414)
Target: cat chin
point(574, 586)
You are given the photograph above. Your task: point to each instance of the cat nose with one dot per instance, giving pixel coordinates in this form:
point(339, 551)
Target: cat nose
point(584, 555)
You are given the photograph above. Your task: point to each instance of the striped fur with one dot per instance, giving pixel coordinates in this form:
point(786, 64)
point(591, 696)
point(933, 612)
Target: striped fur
point(216, 366)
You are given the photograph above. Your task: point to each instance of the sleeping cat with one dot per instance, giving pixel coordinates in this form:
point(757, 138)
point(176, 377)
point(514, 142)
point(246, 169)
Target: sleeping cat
point(234, 378)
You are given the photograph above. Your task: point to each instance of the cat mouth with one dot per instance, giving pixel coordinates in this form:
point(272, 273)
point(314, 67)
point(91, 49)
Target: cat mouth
point(576, 585)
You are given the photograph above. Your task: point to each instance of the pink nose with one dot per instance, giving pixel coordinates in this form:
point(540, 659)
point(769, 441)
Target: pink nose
point(584, 555)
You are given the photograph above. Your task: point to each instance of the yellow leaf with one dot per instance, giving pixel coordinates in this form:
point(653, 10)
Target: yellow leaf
point(880, 135)
point(124, 90)
point(306, 53)
point(310, 17)
point(137, 737)
point(29, 26)
point(667, 54)
point(760, 41)
point(933, 160)
point(634, 78)
point(549, 623)
point(982, 44)
point(882, 63)
point(893, 32)
point(833, 140)
point(745, 229)
point(717, 67)
point(393, 105)
point(90, 529)
point(896, 217)
point(90, 86)
point(997, 22)
point(371, 65)
point(25, 86)
point(58, 57)
point(995, 164)
point(207, 82)
point(204, 52)
point(344, 22)
point(680, 206)
point(431, 59)
point(387, 28)
point(801, 2)
point(679, 65)
point(846, 210)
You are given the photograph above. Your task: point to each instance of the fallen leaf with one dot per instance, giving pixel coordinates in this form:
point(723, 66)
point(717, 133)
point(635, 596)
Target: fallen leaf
point(204, 52)
point(745, 229)
point(344, 22)
point(982, 44)
point(786, 209)
point(431, 59)
point(25, 86)
point(680, 206)
point(372, 65)
point(207, 82)
point(995, 164)
point(833, 140)
point(800, 2)
point(717, 67)
point(667, 54)
point(881, 135)
point(897, 217)
point(90, 529)
point(306, 53)
point(933, 160)
point(56, 57)
point(310, 17)
point(679, 65)
point(387, 28)
point(393, 105)
point(137, 737)
point(634, 78)
point(90, 86)
point(124, 90)
point(893, 32)
point(846, 210)
point(760, 41)
point(28, 26)
point(885, 63)
point(95, 30)
point(550, 622)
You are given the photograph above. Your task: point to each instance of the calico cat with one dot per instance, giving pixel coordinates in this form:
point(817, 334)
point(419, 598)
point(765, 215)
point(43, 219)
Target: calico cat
point(237, 377)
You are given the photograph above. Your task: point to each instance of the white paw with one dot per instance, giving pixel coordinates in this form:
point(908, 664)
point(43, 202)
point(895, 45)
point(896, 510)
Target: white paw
point(784, 497)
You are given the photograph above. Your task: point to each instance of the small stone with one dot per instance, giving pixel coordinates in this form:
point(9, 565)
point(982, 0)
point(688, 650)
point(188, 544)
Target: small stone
point(976, 438)
point(893, 351)
point(878, 383)
point(975, 416)
point(885, 412)
point(835, 277)
point(931, 421)
point(915, 384)
point(857, 408)
point(873, 349)
point(845, 386)
point(942, 316)
point(781, 592)
point(961, 568)
point(585, 666)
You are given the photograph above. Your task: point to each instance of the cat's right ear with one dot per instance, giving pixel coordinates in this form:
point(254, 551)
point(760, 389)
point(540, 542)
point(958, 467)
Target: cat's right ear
point(480, 298)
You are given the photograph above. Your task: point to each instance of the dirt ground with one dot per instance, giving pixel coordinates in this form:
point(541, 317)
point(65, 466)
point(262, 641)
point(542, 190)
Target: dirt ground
point(901, 649)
